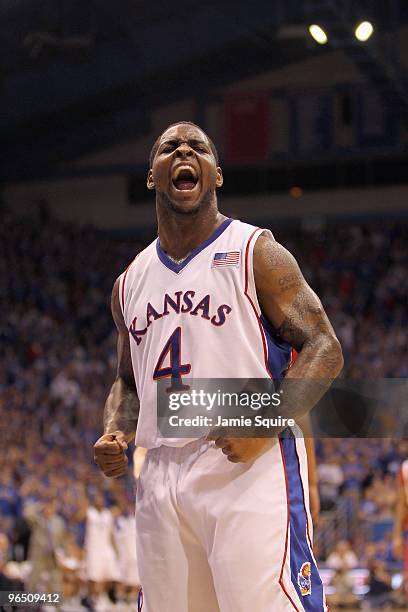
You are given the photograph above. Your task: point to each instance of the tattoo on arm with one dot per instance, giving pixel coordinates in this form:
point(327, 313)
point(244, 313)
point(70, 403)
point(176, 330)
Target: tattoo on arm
point(299, 319)
point(289, 281)
point(295, 311)
point(307, 328)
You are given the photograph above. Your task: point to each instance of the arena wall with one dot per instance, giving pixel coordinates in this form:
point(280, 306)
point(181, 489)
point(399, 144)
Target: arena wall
point(103, 203)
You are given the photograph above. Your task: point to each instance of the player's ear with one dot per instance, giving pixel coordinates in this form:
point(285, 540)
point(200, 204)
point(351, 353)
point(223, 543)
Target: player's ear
point(220, 179)
point(150, 181)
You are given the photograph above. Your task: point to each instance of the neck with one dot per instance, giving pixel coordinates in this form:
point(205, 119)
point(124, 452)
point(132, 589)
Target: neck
point(179, 234)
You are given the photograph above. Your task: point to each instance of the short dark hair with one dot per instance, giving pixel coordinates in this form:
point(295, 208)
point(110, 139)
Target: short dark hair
point(156, 143)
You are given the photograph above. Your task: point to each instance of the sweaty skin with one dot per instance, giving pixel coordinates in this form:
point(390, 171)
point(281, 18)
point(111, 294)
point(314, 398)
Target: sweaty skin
point(186, 218)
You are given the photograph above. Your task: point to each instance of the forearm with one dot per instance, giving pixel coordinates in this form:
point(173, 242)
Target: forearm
point(318, 363)
point(121, 410)
point(319, 358)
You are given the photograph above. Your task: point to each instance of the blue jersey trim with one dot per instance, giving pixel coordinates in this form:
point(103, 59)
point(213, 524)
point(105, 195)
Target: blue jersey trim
point(174, 267)
point(300, 552)
point(279, 352)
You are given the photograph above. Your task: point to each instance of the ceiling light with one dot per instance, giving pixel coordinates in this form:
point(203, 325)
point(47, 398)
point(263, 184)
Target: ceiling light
point(318, 34)
point(363, 31)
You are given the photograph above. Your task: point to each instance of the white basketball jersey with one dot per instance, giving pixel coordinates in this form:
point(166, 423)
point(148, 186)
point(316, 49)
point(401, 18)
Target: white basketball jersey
point(199, 318)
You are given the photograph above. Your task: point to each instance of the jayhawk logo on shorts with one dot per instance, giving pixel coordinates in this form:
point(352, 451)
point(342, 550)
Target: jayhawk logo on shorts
point(305, 579)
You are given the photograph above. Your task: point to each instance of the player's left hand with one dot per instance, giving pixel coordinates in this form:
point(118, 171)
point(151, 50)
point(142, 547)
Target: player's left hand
point(243, 449)
point(110, 454)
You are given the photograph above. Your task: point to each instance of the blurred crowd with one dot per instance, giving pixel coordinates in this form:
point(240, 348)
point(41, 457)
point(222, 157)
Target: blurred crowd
point(58, 361)
point(359, 273)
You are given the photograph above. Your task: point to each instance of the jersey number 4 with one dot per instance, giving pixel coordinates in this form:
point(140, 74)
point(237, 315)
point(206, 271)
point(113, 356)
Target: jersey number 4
point(176, 369)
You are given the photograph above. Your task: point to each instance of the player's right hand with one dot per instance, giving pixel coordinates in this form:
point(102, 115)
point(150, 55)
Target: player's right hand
point(110, 455)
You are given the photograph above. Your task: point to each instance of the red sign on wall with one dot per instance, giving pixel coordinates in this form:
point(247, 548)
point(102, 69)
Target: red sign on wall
point(247, 127)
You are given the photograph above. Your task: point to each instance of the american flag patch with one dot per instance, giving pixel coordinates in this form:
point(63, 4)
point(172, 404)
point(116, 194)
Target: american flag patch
point(231, 258)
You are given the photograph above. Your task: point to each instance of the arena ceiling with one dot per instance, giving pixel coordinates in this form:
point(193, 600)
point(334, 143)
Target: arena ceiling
point(77, 75)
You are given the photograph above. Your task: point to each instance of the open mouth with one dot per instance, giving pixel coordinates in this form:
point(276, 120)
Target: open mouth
point(185, 179)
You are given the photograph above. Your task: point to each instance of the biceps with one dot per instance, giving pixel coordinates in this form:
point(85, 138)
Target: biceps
point(283, 292)
point(291, 306)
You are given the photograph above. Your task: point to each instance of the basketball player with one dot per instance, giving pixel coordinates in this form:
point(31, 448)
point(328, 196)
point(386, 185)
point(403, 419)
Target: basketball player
point(222, 525)
point(401, 521)
point(124, 532)
point(101, 561)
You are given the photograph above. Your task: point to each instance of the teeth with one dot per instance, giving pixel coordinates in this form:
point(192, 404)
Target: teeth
point(181, 169)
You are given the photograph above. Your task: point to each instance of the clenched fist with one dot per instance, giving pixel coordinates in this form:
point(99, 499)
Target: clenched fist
point(110, 455)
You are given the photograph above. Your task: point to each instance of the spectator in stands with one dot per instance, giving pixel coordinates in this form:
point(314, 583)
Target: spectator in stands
point(71, 564)
point(46, 546)
point(331, 478)
point(368, 508)
point(380, 589)
point(343, 597)
point(101, 561)
point(342, 557)
point(125, 544)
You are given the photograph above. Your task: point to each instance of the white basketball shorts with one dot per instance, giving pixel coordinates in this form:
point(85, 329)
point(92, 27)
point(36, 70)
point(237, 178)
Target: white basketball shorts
point(214, 536)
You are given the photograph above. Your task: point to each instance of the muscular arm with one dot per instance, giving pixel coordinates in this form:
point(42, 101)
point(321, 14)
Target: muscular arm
point(298, 317)
point(122, 405)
